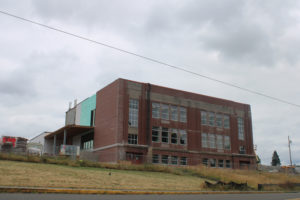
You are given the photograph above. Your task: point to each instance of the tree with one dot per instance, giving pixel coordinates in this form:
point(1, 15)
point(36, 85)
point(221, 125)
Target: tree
point(275, 159)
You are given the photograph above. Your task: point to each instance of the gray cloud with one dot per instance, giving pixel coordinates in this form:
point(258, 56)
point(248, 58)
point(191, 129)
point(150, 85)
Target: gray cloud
point(254, 44)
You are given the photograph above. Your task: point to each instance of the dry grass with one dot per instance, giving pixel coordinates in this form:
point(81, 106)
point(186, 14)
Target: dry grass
point(252, 177)
point(14, 173)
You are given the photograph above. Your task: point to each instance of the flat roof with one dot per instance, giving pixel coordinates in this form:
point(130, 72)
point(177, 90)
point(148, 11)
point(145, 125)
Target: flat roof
point(71, 131)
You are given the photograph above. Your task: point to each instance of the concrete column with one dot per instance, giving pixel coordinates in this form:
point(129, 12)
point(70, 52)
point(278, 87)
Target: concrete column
point(54, 145)
point(65, 137)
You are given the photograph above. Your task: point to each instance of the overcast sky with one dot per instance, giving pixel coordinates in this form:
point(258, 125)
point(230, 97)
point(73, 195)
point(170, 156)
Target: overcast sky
point(254, 44)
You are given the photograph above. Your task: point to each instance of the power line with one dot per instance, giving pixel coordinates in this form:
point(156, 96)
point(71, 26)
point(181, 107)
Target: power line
point(150, 59)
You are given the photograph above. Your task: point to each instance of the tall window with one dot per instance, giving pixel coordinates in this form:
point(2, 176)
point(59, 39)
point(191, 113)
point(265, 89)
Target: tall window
point(174, 113)
point(241, 128)
point(92, 123)
point(133, 112)
point(226, 121)
point(221, 163)
point(219, 120)
point(205, 161)
point(132, 139)
point(203, 118)
point(165, 111)
point(174, 160)
point(211, 118)
point(182, 114)
point(183, 137)
point(219, 142)
point(164, 159)
point(228, 164)
point(174, 136)
point(212, 141)
point(155, 134)
point(183, 161)
point(155, 158)
point(227, 142)
point(242, 150)
point(155, 110)
point(204, 140)
point(165, 135)
point(212, 162)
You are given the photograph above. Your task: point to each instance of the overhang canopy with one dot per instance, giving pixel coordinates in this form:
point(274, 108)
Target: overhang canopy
point(72, 130)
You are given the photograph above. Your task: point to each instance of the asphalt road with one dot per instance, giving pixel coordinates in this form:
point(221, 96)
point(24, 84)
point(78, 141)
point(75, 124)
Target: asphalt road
point(278, 196)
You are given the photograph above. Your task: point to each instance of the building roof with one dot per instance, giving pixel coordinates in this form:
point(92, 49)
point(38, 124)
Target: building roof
point(71, 131)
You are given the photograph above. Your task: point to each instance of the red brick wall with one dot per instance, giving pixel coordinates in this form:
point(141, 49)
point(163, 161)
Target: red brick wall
point(111, 124)
point(106, 117)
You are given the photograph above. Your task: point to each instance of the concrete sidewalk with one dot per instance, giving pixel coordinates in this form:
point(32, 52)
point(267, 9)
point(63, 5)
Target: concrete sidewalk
point(8, 189)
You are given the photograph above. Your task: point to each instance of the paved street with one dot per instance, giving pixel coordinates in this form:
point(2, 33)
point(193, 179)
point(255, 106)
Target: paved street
point(278, 196)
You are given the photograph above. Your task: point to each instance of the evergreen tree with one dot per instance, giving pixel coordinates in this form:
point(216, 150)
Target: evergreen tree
point(275, 159)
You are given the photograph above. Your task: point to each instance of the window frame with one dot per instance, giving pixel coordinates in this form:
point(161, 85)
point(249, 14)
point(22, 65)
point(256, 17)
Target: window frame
point(226, 121)
point(204, 135)
point(212, 143)
point(154, 157)
point(174, 158)
point(165, 158)
point(204, 118)
point(211, 118)
point(183, 137)
point(155, 110)
point(241, 128)
point(219, 142)
point(132, 138)
point(157, 129)
point(183, 160)
point(227, 138)
point(133, 115)
point(174, 113)
point(219, 120)
point(182, 114)
point(163, 137)
point(174, 131)
point(165, 112)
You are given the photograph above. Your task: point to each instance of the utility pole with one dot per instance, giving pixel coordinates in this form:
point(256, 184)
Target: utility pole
point(289, 143)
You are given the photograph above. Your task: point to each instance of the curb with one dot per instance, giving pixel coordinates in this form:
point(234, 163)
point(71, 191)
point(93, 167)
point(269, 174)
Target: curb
point(112, 192)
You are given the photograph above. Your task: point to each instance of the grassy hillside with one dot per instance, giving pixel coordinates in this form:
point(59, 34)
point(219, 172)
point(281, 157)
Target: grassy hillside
point(14, 173)
point(61, 172)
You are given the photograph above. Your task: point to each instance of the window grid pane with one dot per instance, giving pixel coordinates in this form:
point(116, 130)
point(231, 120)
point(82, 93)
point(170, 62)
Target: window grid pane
point(219, 122)
point(155, 158)
point(183, 161)
point(212, 141)
point(183, 137)
point(182, 114)
point(211, 117)
point(155, 134)
point(220, 142)
point(174, 160)
point(241, 128)
point(155, 110)
point(204, 140)
point(174, 136)
point(227, 145)
point(165, 159)
point(133, 112)
point(132, 139)
point(165, 111)
point(226, 121)
point(174, 113)
point(203, 118)
point(165, 135)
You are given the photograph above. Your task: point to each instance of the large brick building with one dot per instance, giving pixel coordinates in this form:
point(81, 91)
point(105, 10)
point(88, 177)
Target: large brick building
point(141, 122)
